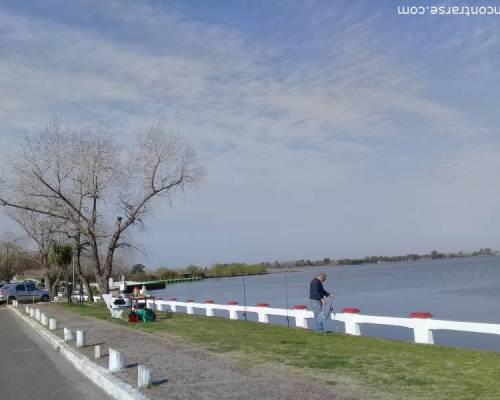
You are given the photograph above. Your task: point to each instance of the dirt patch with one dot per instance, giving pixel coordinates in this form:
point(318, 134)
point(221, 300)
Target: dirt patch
point(182, 371)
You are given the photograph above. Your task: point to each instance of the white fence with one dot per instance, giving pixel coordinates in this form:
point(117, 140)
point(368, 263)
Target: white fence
point(421, 323)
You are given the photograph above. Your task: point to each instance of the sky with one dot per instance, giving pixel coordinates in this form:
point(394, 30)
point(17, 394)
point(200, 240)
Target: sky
point(327, 128)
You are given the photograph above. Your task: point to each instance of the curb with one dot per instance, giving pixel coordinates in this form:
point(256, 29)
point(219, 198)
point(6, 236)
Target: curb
point(100, 376)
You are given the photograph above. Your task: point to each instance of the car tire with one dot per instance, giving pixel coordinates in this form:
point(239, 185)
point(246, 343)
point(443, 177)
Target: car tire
point(44, 298)
point(10, 299)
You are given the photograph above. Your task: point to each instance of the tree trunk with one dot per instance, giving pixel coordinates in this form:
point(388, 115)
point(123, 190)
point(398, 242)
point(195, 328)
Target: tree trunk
point(83, 279)
point(69, 286)
point(54, 287)
point(103, 283)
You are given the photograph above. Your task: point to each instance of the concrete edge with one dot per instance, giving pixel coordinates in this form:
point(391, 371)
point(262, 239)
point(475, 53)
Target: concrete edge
point(100, 376)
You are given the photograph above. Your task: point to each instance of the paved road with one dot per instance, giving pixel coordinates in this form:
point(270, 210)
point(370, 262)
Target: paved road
point(30, 370)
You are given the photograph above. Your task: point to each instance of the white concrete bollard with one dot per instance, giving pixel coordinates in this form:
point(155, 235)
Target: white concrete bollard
point(97, 351)
point(189, 307)
point(80, 338)
point(143, 376)
point(44, 319)
point(68, 335)
point(37, 314)
point(299, 312)
point(421, 330)
point(27, 309)
point(116, 361)
point(52, 324)
point(351, 326)
point(32, 313)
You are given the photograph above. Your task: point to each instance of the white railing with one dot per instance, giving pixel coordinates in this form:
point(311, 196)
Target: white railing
point(421, 323)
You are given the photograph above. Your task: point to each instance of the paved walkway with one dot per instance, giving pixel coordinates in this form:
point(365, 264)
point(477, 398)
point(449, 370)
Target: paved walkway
point(186, 372)
point(29, 369)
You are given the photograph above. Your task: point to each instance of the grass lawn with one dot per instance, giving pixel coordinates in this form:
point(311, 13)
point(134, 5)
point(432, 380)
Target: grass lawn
point(382, 368)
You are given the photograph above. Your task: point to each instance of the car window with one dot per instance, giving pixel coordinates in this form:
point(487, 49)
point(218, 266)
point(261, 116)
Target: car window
point(30, 287)
point(20, 288)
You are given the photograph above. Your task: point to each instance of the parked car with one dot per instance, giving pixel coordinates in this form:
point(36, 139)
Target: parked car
point(23, 291)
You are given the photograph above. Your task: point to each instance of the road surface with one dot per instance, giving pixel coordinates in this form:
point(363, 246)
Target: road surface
point(32, 370)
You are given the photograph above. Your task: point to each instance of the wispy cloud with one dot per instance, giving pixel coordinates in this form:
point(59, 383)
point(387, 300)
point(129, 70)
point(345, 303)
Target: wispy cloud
point(282, 125)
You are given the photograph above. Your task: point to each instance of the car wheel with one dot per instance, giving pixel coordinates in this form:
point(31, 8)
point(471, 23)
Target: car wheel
point(44, 298)
point(11, 298)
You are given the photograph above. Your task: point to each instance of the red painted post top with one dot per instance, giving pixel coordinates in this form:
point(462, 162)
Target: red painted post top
point(209, 302)
point(190, 301)
point(420, 314)
point(262, 305)
point(173, 299)
point(232, 302)
point(300, 307)
point(351, 310)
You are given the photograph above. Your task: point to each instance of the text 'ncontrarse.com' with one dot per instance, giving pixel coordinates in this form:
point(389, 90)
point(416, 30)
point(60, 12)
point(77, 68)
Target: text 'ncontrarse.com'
point(449, 10)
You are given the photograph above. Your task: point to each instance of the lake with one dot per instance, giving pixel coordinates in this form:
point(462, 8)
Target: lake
point(460, 289)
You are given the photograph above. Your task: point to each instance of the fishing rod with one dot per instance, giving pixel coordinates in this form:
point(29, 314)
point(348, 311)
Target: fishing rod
point(286, 298)
point(331, 308)
point(244, 297)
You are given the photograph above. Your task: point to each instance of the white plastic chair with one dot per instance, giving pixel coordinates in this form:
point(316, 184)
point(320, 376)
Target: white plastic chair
point(116, 310)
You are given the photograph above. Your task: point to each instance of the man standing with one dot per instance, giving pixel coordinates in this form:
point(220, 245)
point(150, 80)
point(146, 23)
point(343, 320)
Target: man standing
point(317, 297)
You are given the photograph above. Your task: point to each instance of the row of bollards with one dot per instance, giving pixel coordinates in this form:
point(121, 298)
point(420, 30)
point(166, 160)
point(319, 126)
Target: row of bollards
point(116, 361)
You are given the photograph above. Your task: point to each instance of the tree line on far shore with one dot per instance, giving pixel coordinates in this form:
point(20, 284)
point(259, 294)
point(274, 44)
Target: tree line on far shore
point(138, 272)
point(379, 259)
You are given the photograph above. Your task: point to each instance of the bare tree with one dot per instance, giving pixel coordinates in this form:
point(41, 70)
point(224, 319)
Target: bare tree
point(14, 260)
point(42, 230)
point(99, 191)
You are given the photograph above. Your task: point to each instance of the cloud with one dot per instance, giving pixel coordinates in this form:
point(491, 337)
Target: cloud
point(301, 134)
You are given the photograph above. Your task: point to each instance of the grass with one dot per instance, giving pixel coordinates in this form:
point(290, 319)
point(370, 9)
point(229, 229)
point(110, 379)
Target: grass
point(374, 367)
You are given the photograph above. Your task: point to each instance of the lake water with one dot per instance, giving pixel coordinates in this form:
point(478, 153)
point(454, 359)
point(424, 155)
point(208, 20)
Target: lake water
point(460, 289)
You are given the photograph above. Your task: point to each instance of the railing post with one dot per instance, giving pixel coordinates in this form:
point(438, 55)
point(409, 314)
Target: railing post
point(233, 313)
point(44, 319)
point(173, 307)
point(32, 312)
point(263, 317)
point(189, 307)
point(300, 316)
point(37, 315)
point(351, 327)
point(421, 330)
point(52, 324)
point(210, 309)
